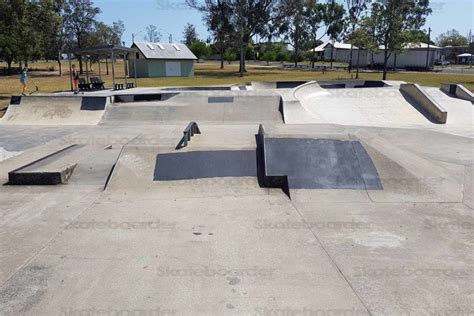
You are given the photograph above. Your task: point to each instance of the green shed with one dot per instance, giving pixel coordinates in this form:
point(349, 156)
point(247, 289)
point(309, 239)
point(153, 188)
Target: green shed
point(161, 60)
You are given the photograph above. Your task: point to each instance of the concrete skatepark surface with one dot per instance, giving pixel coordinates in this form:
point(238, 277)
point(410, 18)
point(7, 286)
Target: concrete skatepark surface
point(117, 238)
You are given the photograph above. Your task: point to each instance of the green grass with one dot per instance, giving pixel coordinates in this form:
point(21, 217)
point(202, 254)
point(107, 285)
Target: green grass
point(209, 74)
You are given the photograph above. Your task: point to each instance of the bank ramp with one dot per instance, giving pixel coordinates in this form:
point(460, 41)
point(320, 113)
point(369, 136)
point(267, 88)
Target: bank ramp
point(55, 110)
point(230, 107)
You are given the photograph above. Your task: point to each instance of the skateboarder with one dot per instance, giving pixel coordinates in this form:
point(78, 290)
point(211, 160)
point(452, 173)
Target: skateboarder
point(23, 75)
point(75, 78)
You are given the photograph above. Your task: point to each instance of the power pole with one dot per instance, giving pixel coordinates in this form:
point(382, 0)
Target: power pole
point(428, 50)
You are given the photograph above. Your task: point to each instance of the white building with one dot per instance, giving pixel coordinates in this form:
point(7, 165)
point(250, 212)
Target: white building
point(341, 51)
point(413, 57)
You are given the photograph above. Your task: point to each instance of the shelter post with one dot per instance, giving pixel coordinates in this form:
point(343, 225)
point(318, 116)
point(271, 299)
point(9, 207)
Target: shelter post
point(113, 70)
point(70, 70)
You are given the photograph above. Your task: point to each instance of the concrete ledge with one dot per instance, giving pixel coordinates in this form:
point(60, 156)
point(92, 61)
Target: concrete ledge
point(425, 101)
point(48, 170)
point(458, 91)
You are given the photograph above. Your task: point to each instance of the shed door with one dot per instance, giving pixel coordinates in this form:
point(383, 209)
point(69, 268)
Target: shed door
point(173, 69)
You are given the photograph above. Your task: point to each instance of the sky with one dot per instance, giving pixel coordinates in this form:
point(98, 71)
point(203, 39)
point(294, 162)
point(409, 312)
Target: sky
point(170, 16)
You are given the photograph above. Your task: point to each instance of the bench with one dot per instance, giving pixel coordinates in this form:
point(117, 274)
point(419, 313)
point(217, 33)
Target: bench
point(130, 85)
point(118, 86)
point(84, 85)
point(97, 83)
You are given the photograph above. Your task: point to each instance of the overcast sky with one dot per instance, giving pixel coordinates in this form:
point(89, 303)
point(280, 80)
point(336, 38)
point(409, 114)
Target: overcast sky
point(171, 16)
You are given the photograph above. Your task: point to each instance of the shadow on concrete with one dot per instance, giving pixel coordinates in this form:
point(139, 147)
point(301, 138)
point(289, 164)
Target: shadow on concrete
point(415, 104)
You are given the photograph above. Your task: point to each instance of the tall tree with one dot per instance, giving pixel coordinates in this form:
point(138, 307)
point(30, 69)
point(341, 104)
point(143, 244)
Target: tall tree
point(152, 34)
point(246, 17)
point(218, 23)
point(118, 28)
point(292, 20)
point(355, 9)
point(315, 14)
point(363, 39)
point(334, 20)
point(79, 20)
point(249, 18)
point(190, 34)
point(54, 41)
point(394, 23)
point(451, 38)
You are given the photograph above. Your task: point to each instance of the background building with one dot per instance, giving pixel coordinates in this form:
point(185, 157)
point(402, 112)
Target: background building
point(162, 60)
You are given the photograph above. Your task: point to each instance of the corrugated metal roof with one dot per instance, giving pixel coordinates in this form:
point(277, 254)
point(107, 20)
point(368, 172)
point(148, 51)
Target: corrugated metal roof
point(165, 51)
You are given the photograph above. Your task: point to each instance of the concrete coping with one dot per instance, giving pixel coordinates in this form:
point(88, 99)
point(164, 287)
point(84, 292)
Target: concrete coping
point(458, 91)
point(425, 101)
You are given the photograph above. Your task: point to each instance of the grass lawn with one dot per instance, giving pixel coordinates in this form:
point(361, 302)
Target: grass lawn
point(210, 74)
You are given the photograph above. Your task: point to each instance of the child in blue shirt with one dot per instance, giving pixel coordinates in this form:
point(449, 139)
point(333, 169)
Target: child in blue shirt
point(23, 79)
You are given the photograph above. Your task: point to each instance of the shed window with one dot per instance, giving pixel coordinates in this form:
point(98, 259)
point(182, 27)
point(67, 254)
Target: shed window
point(137, 55)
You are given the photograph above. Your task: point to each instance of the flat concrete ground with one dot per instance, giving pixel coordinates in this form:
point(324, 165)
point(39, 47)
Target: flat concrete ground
point(226, 246)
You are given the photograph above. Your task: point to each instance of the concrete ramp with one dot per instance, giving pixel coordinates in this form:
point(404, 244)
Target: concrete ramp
point(269, 85)
point(55, 110)
point(78, 164)
point(212, 108)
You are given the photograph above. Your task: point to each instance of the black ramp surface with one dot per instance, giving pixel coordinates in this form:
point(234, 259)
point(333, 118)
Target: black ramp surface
point(321, 164)
point(205, 164)
point(220, 100)
point(93, 103)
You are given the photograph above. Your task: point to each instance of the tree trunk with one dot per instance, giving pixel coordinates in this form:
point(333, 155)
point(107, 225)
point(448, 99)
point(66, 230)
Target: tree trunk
point(222, 58)
point(350, 60)
point(107, 65)
point(358, 63)
point(385, 60)
point(296, 56)
point(242, 58)
point(332, 54)
point(80, 65)
point(9, 62)
point(60, 68)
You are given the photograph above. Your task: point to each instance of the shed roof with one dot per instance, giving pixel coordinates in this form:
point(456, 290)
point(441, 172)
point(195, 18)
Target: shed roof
point(164, 51)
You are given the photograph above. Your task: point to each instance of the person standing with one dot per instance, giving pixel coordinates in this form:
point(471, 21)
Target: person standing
point(23, 76)
point(75, 78)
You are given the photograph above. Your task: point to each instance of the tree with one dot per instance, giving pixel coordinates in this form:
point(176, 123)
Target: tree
point(56, 38)
point(315, 14)
point(246, 18)
point(104, 34)
point(26, 28)
point(79, 20)
point(269, 56)
point(394, 23)
point(451, 38)
point(363, 39)
point(355, 9)
point(218, 23)
point(230, 57)
point(152, 34)
point(118, 28)
point(189, 34)
point(334, 20)
point(200, 49)
point(292, 22)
